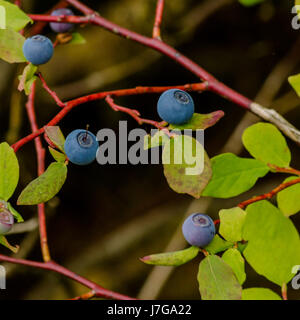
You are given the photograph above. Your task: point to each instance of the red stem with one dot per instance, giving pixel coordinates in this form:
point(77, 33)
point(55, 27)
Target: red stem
point(158, 19)
point(102, 95)
point(51, 92)
point(52, 266)
point(40, 151)
point(270, 194)
point(92, 17)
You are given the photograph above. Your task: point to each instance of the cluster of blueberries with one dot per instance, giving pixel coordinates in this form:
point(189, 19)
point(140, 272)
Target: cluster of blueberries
point(174, 106)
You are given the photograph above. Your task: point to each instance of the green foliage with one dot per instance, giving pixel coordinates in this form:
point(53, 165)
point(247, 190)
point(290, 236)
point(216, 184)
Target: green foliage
point(158, 139)
point(15, 213)
point(27, 78)
point(273, 242)
point(250, 3)
point(176, 258)
point(259, 294)
point(77, 38)
point(11, 44)
point(56, 136)
point(237, 263)
point(9, 171)
point(58, 156)
point(217, 281)
point(231, 223)
point(266, 143)
point(5, 243)
point(218, 245)
point(46, 186)
point(188, 177)
point(200, 121)
point(288, 199)
point(233, 175)
point(16, 19)
point(295, 83)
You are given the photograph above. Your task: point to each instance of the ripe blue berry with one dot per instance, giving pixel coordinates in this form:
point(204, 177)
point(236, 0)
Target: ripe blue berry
point(175, 106)
point(38, 49)
point(62, 27)
point(6, 219)
point(81, 147)
point(198, 230)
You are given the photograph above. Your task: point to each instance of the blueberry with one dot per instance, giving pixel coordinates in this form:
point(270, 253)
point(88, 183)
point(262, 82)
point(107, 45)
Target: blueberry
point(175, 106)
point(61, 27)
point(81, 147)
point(38, 49)
point(198, 230)
point(6, 219)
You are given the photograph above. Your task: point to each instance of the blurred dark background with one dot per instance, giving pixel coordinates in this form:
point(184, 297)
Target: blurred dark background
point(106, 217)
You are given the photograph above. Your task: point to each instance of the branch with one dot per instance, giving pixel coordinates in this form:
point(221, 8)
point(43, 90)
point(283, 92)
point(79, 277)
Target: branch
point(51, 92)
point(158, 19)
point(212, 83)
point(136, 115)
point(102, 95)
point(41, 168)
point(270, 194)
point(52, 266)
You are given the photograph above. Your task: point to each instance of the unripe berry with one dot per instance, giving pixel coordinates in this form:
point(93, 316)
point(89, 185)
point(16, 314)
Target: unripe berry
point(81, 147)
point(61, 27)
point(175, 106)
point(198, 230)
point(6, 219)
point(38, 49)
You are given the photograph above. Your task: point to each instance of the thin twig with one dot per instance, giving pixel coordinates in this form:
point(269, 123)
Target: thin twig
point(41, 168)
point(156, 34)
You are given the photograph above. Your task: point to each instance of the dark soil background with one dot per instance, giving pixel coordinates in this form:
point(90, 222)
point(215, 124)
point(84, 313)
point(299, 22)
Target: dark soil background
point(106, 217)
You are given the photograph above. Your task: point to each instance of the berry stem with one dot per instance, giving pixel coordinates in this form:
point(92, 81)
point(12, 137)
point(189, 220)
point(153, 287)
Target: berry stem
point(270, 194)
point(102, 95)
point(158, 19)
point(40, 151)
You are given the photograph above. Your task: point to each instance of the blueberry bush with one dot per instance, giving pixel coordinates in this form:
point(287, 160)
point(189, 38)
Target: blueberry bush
point(257, 231)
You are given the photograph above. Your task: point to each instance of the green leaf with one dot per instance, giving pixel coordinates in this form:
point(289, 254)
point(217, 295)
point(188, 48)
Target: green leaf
point(193, 170)
point(14, 212)
point(9, 171)
point(259, 294)
point(27, 78)
point(56, 136)
point(232, 175)
point(16, 19)
point(158, 139)
point(273, 242)
point(176, 258)
point(11, 44)
point(58, 156)
point(237, 263)
point(266, 143)
point(200, 121)
point(46, 186)
point(217, 280)
point(77, 38)
point(218, 245)
point(288, 199)
point(250, 3)
point(6, 244)
point(231, 223)
point(295, 83)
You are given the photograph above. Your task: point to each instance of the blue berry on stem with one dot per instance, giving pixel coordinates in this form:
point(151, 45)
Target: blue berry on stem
point(38, 49)
point(61, 27)
point(175, 106)
point(81, 147)
point(198, 230)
